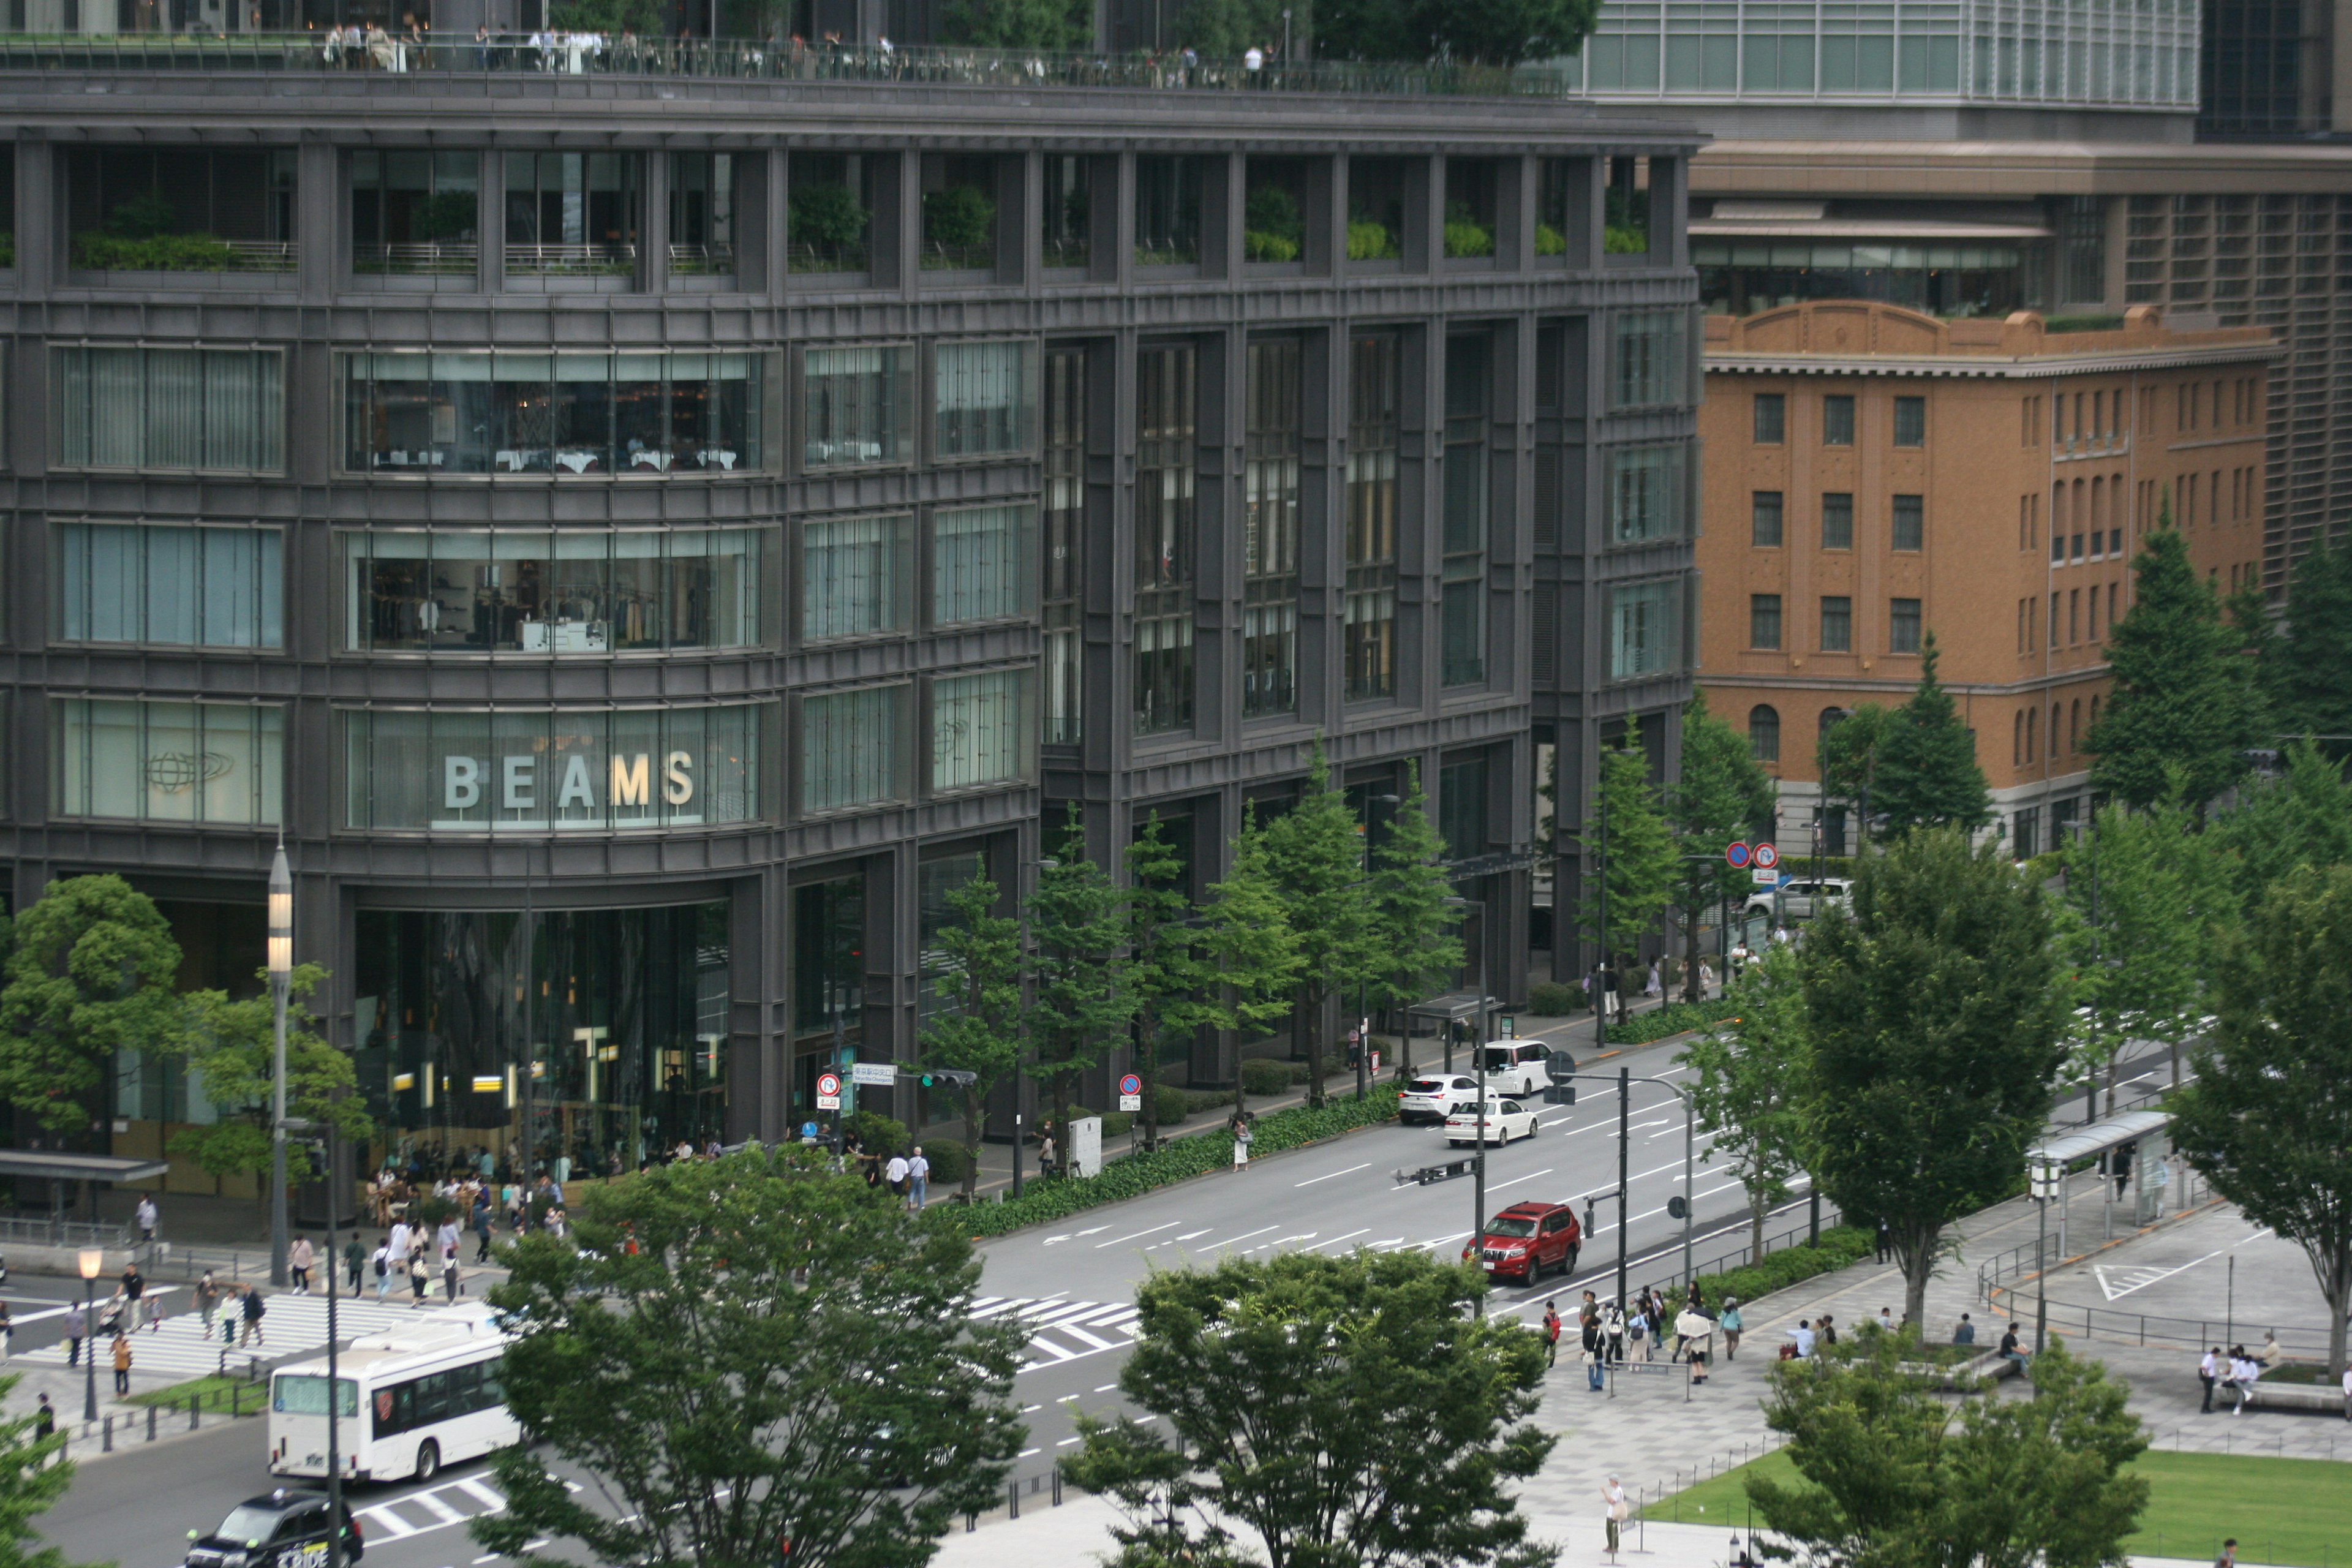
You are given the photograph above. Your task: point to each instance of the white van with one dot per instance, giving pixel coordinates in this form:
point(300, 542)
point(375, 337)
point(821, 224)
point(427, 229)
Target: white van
point(406, 1403)
point(1518, 1067)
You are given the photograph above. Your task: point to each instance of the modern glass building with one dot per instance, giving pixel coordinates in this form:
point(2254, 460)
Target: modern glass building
point(646, 527)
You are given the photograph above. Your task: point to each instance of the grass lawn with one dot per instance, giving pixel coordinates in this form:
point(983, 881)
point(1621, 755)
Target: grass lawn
point(2293, 1511)
point(228, 1396)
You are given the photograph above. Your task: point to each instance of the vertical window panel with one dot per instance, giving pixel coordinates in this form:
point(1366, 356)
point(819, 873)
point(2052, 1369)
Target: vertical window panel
point(980, 563)
point(197, 762)
point(212, 587)
point(850, 743)
point(979, 729)
point(855, 572)
point(213, 410)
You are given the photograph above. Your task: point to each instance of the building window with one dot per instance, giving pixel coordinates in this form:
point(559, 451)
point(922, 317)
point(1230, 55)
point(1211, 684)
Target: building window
point(216, 410)
point(1837, 623)
point(1771, 419)
point(1910, 421)
point(1764, 733)
point(1644, 629)
point(1764, 514)
point(1463, 632)
point(1274, 208)
point(1167, 211)
point(1837, 420)
point(980, 734)
point(577, 591)
point(1165, 462)
point(572, 213)
point(203, 588)
point(1270, 544)
point(959, 205)
point(1648, 350)
point(185, 209)
point(1069, 210)
point(1065, 588)
point(829, 958)
point(474, 770)
point(981, 401)
point(855, 573)
point(858, 405)
point(1473, 207)
point(1910, 522)
point(1837, 520)
point(551, 413)
point(1374, 385)
point(1764, 620)
point(415, 212)
point(850, 746)
point(1462, 802)
point(1645, 492)
point(1903, 626)
point(209, 762)
point(2083, 277)
point(702, 215)
point(2025, 831)
point(981, 564)
point(829, 220)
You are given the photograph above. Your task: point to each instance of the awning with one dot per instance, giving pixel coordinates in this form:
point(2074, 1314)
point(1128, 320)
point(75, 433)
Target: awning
point(1454, 1006)
point(64, 1167)
point(2090, 1142)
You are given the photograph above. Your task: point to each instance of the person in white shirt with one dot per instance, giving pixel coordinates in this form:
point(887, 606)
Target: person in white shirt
point(1803, 1334)
point(1886, 1320)
point(919, 1180)
point(2347, 1394)
point(895, 1174)
point(2209, 1373)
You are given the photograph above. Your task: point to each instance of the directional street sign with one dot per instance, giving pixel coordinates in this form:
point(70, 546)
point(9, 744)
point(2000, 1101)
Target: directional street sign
point(881, 1075)
point(1766, 856)
point(829, 1091)
point(1735, 855)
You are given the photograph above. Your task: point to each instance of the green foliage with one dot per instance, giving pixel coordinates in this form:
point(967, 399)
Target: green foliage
point(1624, 239)
point(1747, 1083)
point(447, 215)
point(1926, 767)
point(1272, 227)
point(2302, 818)
point(1935, 1024)
point(1548, 999)
point(1372, 241)
point(231, 1049)
point(1465, 236)
point(147, 215)
point(1549, 241)
point(1225, 29)
point(1169, 1104)
point(2178, 717)
point(877, 1133)
point(1499, 33)
point(1343, 1409)
point(1048, 25)
point(1674, 1018)
point(1167, 975)
point(1839, 1247)
point(95, 252)
point(1640, 853)
point(959, 222)
point(34, 1474)
point(2268, 1115)
point(1179, 1160)
point(977, 963)
point(949, 1165)
point(2306, 664)
point(1315, 860)
point(1722, 795)
point(1890, 1481)
point(1264, 1075)
point(1078, 996)
point(1251, 950)
point(610, 17)
point(744, 1349)
point(91, 974)
point(828, 218)
point(1846, 757)
point(1415, 938)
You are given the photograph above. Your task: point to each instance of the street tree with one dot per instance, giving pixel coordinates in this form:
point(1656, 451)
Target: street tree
point(2307, 665)
point(1316, 859)
point(1250, 949)
point(2303, 817)
point(1430, 29)
point(976, 967)
point(230, 1047)
point(1926, 772)
point(1167, 974)
point(2142, 889)
point(90, 977)
point(1722, 795)
point(1079, 1002)
point(1748, 1075)
point(1627, 834)
point(1344, 1410)
point(746, 1351)
point(2177, 721)
point(1846, 760)
point(34, 1475)
point(2267, 1116)
point(1936, 1025)
point(1053, 25)
point(1890, 1479)
point(1416, 943)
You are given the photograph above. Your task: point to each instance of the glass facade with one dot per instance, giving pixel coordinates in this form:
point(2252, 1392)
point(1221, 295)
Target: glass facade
point(573, 214)
point(1165, 461)
point(984, 563)
point(852, 748)
point(1644, 629)
point(217, 410)
point(1270, 545)
point(857, 405)
point(203, 588)
point(584, 591)
point(702, 213)
point(980, 730)
point(1647, 486)
point(1463, 630)
point(610, 1025)
point(1167, 211)
point(1066, 511)
point(595, 770)
point(1741, 276)
point(1375, 385)
point(857, 575)
point(416, 211)
point(1648, 358)
point(562, 415)
point(982, 402)
point(214, 764)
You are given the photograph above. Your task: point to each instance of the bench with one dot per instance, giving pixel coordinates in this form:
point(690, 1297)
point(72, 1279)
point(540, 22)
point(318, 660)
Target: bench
point(2325, 1398)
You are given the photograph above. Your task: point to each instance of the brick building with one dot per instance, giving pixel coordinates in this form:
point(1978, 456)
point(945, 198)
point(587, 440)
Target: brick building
point(1873, 474)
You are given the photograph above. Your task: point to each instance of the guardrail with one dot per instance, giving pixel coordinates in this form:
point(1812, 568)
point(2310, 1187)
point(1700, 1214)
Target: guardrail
point(37, 1230)
point(420, 258)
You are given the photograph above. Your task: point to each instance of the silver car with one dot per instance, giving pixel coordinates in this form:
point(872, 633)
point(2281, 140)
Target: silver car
point(1802, 898)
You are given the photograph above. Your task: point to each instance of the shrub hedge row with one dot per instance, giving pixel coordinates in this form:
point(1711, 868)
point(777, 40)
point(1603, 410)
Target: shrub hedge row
point(1839, 1245)
point(1671, 1019)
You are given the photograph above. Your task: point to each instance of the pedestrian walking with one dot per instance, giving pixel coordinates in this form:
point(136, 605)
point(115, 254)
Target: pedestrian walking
point(420, 1281)
point(383, 1269)
point(45, 1421)
point(251, 1311)
point(355, 1262)
point(398, 1240)
point(1551, 1335)
point(1612, 1330)
point(919, 1180)
point(299, 1259)
point(134, 1290)
point(1243, 1137)
point(482, 1226)
point(2209, 1373)
point(147, 1218)
point(76, 1330)
point(1694, 1333)
point(452, 1276)
point(207, 1295)
point(1595, 1348)
point(121, 1364)
point(1886, 1242)
point(1737, 962)
point(446, 1240)
point(1732, 1328)
point(895, 1175)
point(2244, 1371)
point(1612, 1497)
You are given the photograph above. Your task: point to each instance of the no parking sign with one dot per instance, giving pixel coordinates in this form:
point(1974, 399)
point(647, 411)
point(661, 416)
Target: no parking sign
point(1130, 1092)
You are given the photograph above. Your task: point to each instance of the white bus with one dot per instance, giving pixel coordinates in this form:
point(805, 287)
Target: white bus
point(408, 1402)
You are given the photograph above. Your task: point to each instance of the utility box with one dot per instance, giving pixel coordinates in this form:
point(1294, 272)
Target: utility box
point(1085, 1146)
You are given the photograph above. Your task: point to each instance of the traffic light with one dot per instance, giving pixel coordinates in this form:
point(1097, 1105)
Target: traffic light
point(956, 1076)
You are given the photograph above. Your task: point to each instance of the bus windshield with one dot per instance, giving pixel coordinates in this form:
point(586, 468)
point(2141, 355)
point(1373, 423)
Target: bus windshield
point(306, 1394)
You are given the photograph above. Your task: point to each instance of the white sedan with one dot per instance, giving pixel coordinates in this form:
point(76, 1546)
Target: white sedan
point(1505, 1120)
point(1437, 1096)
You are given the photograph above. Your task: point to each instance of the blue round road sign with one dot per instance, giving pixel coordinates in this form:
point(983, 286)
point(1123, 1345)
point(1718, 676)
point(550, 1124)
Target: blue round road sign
point(1735, 855)
point(1130, 1084)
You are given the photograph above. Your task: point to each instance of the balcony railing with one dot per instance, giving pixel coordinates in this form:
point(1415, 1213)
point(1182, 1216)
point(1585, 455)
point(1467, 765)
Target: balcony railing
point(572, 261)
point(752, 59)
point(435, 258)
point(182, 253)
point(702, 260)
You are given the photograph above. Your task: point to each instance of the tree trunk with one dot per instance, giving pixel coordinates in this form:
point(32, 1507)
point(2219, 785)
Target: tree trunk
point(2338, 1294)
point(1916, 1253)
point(1310, 1010)
point(1757, 1206)
point(971, 1130)
point(1692, 990)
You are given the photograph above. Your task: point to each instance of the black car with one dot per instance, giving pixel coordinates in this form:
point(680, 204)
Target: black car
point(283, 1529)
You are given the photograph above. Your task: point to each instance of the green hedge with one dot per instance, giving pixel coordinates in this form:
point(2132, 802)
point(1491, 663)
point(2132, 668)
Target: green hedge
point(1671, 1019)
point(1265, 1074)
point(1839, 1245)
point(1136, 1174)
point(161, 253)
point(1549, 999)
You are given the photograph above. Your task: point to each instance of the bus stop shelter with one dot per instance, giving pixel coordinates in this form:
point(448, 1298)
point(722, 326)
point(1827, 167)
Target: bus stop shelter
point(2145, 1179)
point(1454, 1007)
point(57, 1167)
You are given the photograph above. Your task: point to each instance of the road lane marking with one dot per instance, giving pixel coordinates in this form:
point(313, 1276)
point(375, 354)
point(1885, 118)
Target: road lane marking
point(1189, 1235)
point(1068, 1441)
point(1531, 1176)
point(392, 1524)
point(1031, 1409)
point(1248, 1233)
point(1138, 1235)
point(1106, 1388)
point(1349, 1171)
point(1026, 1452)
point(441, 1511)
point(492, 1501)
point(1335, 1240)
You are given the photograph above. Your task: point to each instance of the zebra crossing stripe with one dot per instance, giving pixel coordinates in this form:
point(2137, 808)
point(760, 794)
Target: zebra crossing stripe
point(389, 1523)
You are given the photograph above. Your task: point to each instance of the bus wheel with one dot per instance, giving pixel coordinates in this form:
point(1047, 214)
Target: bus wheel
point(428, 1459)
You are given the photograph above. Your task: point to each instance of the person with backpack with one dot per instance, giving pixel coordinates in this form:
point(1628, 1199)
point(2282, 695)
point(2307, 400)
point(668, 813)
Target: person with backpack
point(252, 1312)
point(1551, 1335)
point(207, 1295)
point(383, 1269)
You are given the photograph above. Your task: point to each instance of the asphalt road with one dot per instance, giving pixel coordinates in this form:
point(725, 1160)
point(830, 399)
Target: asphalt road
point(1074, 1283)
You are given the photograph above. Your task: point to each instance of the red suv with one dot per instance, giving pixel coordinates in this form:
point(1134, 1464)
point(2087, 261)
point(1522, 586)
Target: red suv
point(1526, 1239)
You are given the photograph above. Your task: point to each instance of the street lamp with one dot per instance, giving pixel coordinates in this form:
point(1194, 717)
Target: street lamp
point(93, 1260)
point(334, 1389)
point(282, 971)
point(2046, 1175)
point(1478, 1053)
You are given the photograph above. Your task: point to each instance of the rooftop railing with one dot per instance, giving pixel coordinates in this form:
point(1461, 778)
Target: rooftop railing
point(747, 58)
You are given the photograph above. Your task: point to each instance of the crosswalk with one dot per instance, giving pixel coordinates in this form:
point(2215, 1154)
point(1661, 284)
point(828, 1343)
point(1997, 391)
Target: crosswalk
point(1063, 1331)
point(293, 1325)
point(429, 1510)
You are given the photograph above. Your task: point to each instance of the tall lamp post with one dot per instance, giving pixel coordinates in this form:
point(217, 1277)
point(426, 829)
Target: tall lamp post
point(282, 971)
point(1478, 1056)
point(2046, 1175)
point(334, 1388)
point(93, 1260)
